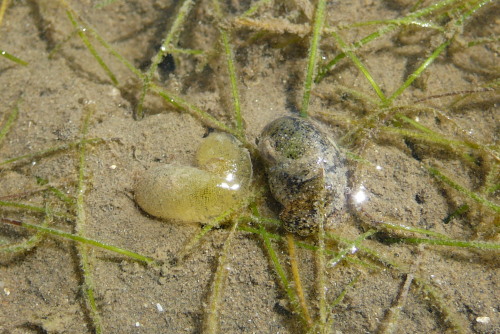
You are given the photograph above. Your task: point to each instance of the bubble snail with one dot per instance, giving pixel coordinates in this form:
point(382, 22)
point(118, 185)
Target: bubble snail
point(306, 173)
point(198, 194)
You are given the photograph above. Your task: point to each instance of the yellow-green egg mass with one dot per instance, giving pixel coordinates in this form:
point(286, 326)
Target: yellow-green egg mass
point(222, 154)
point(192, 194)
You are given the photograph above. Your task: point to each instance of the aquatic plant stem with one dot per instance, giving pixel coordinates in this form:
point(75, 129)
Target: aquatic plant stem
point(90, 47)
point(3, 8)
point(440, 176)
point(88, 281)
point(382, 31)
point(178, 102)
point(296, 278)
point(80, 239)
point(454, 319)
point(361, 67)
point(435, 138)
point(164, 50)
point(399, 22)
point(182, 105)
point(234, 82)
point(232, 71)
point(351, 247)
point(9, 122)
point(291, 294)
point(33, 208)
point(59, 45)
point(339, 299)
point(32, 241)
point(255, 7)
point(468, 14)
point(302, 245)
point(389, 325)
point(51, 150)
point(115, 53)
point(321, 268)
point(322, 72)
point(212, 321)
point(400, 227)
point(417, 72)
point(15, 59)
point(319, 19)
point(449, 242)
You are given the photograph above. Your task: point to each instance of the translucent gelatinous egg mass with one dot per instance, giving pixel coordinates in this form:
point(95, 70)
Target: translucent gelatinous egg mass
point(197, 194)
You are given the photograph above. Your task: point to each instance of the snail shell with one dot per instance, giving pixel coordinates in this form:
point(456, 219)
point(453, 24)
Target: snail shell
point(193, 194)
point(306, 172)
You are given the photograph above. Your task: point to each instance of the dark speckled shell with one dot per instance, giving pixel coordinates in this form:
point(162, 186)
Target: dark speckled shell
point(306, 172)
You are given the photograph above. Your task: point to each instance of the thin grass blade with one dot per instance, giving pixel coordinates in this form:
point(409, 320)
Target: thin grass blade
point(440, 176)
point(81, 32)
point(8, 123)
point(13, 58)
point(418, 72)
point(319, 20)
point(361, 67)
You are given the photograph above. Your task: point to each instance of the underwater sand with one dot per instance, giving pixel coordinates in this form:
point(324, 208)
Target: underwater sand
point(40, 290)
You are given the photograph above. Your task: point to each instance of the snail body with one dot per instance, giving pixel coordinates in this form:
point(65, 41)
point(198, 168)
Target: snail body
point(196, 194)
point(306, 172)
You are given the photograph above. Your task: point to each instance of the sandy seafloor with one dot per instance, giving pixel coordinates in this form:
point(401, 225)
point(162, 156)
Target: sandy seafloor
point(40, 290)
